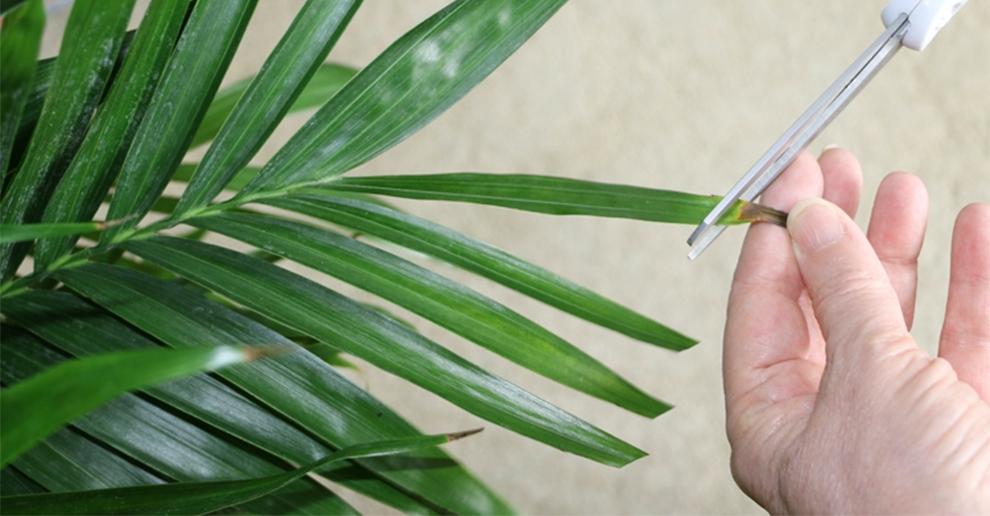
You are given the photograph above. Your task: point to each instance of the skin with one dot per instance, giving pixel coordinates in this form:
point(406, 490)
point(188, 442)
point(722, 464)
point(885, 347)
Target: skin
point(831, 405)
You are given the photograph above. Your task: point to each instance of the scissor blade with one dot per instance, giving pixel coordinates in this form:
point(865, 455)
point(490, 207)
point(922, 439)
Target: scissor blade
point(706, 241)
point(803, 131)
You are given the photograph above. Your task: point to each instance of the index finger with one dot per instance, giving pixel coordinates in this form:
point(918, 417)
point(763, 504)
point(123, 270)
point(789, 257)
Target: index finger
point(765, 323)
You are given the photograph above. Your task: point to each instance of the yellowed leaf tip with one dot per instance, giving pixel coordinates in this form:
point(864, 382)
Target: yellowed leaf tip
point(461, 435)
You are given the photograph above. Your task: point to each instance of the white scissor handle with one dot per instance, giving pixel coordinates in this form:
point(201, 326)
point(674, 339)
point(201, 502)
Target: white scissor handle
point(927, 17)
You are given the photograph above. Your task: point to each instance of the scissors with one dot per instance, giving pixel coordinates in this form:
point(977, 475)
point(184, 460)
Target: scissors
point(909, 23)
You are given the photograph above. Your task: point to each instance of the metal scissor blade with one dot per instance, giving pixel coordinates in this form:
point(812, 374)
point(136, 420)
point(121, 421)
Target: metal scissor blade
point(800, 134)
point(706, 240)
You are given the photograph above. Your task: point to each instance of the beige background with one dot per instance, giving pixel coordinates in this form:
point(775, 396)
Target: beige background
point(668, 94)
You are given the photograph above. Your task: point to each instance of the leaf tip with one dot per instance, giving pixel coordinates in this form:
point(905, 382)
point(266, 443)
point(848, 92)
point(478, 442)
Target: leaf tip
point(667, 407)
point(460, 435)
point(752, 211)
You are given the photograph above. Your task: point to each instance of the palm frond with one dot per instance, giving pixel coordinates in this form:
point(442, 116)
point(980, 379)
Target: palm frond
point(108, 123)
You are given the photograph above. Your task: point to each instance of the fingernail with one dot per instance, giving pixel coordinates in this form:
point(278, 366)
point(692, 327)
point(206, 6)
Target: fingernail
point(830, 147)
point(814, 224)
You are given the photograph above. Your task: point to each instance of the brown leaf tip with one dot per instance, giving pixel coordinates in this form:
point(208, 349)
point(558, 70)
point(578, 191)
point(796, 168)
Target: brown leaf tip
point(460, 435)
point(760, 213)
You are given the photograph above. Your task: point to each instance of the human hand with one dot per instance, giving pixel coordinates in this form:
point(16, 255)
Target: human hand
point(831, 405)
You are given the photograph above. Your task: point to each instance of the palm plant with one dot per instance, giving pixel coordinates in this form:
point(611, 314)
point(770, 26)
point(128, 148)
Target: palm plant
point(108, 123)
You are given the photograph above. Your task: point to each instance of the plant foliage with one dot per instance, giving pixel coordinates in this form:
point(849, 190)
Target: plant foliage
point(108, 123)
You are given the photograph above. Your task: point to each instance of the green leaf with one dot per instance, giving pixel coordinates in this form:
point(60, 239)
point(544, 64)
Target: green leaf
point(412, 82)
point(164, 204)
point(20, 40)
point(304, 496)
point(288, 69)
point(298, 385)
point(24, 232)
point(32, 110)
point(69, 461)
point(199, 497)
point(161, 441)
point(95, 166)
point(39, 92)
point(545, 194)
point(8, 5)
point(13, 482)
point(93, 35)
point(167, 444)
point(186, 170)
point(438, 299)
point(92, 331)
point(192, 76)
point(325, 83)
point(36, 407)
point(330, 355)
point(181, 450)
point(470, 254)
point(326, 315)
point(146, 428)
point(200, 396)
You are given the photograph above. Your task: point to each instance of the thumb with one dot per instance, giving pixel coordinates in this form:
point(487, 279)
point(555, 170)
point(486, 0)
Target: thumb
point(854, 302)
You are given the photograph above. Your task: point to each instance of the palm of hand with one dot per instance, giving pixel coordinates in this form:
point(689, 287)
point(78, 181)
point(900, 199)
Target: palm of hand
point(883, 427)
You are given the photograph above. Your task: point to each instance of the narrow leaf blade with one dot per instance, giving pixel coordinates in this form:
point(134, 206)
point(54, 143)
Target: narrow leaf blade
point(153, 437)
point(408, 85)
point(95, 166)
point(39, 92)
point(93, 330)
point(68, 461)
point(196, 497)
point(438, 299)
point(20, 41)
point(545, 194)
point(40, 405)
point(193, 74)
point(13, 482)
point(330, 317)
point(470, 254)
point(246, 174)
point(282, 78)
point(94, 32)
point(8, 5)
point(298, 385)
point(24, 232)
point(324, 84)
